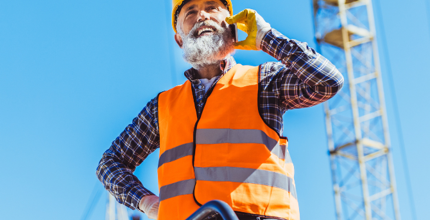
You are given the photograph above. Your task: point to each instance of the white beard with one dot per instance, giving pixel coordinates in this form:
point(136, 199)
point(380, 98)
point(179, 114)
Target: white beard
point(207, 49)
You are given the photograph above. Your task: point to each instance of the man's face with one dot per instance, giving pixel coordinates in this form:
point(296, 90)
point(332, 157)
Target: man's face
point(196, 11)
point(203, 34)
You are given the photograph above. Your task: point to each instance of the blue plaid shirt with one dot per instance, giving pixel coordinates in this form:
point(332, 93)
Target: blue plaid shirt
point(302, 79)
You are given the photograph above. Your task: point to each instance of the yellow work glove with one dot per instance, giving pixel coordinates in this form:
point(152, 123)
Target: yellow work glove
point(254, 25)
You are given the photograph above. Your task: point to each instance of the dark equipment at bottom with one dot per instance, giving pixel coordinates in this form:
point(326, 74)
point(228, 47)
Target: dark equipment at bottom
point(211, 207)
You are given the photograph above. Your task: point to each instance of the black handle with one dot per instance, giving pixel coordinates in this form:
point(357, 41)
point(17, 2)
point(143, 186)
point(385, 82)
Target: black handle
point(214, 206)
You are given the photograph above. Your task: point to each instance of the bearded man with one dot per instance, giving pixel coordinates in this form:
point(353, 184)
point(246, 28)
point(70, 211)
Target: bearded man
point(220, 133)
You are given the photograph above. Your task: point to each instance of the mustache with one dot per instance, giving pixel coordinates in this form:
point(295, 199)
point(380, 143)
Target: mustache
point(218, 28)
point(210, 49)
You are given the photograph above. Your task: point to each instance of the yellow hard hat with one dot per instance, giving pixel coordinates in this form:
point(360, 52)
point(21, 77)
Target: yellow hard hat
point(177, 6)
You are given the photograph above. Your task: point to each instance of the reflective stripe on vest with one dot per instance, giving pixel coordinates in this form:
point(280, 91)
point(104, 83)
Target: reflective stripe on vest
point(229, 174)
point(176, 189)
point(217, 136)
point(228, 152)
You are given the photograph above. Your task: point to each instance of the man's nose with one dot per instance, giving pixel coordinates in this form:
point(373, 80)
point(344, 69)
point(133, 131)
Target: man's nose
point(203, 16)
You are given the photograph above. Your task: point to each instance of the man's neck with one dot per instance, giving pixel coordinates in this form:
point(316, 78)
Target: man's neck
point(209, 71)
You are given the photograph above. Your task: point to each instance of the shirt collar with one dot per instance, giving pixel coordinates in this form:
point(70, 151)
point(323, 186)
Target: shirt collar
point(225, 65)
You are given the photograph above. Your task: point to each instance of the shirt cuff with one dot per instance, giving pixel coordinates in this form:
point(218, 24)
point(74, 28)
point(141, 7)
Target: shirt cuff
point(135, 195)
point(277, 45)
point(260, 35)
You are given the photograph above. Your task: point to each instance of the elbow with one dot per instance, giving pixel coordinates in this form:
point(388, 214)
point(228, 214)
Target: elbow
point(103, 167)
point(100, 169)
point(340, 81)
point(337, 83)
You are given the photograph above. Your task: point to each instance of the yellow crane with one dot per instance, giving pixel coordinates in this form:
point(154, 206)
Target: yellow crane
point(356, 120)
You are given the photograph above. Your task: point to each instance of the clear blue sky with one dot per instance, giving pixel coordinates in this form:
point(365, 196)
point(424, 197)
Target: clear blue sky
point(73, 74)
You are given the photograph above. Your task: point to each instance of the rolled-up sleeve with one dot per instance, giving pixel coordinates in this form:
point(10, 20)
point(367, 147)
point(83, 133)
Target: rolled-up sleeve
point(303, 78)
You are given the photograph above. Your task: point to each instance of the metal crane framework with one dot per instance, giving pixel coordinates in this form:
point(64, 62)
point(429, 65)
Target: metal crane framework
point(356, 121)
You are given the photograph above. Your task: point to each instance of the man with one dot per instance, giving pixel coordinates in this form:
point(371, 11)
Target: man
point(219, 133)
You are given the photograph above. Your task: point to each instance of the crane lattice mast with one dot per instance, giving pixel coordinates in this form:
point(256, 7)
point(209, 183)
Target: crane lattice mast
point(358, 138)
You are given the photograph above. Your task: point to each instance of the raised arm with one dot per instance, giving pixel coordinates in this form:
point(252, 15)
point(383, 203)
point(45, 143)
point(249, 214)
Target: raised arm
point(136, 142)
point(304, 77)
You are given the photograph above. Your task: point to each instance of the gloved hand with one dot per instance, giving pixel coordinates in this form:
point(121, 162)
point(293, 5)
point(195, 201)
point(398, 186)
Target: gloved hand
point(254, 25)
point(149, 204)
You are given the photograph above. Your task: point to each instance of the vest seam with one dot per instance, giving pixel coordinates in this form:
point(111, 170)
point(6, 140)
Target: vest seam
point(194, 143)
point(205, 100)
point(199, 115)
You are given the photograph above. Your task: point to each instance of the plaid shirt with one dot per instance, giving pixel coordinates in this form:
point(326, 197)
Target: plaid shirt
point(302, 79)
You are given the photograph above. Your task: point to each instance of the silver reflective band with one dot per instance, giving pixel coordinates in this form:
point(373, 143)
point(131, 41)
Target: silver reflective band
point(246, 175)
point(240, 136)
point(176, 189)
point(176, 153)
point(288, 157)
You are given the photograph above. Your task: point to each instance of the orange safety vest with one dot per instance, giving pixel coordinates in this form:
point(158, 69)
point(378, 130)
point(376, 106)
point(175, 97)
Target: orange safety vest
point(228, 153)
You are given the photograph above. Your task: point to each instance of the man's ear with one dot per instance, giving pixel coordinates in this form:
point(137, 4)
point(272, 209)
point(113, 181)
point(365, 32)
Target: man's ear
point(178, 40)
